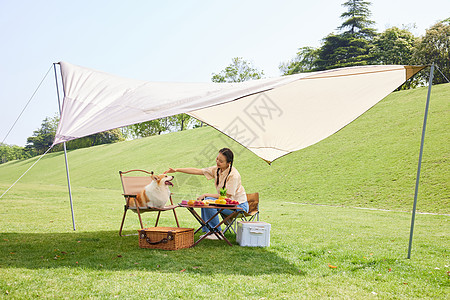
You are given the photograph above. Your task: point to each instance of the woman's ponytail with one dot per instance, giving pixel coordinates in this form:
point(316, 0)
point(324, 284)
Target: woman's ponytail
point(229, 157)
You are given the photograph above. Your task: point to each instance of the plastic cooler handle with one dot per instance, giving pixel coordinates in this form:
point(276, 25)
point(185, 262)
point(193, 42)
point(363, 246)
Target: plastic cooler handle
point(257, 230)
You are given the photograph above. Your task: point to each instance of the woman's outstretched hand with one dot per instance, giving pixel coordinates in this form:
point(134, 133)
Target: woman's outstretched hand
point(170, 171)
point(192, 171)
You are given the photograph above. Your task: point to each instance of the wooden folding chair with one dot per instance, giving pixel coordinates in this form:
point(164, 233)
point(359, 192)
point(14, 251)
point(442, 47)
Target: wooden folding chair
point(132, 186)
point(253, 212)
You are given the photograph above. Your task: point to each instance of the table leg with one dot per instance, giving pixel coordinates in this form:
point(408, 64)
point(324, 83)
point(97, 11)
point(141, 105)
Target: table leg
point(220, 223)
point(212, 230)
point(200, 220)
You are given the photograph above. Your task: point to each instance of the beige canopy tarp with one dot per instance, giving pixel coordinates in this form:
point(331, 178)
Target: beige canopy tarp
point(271, 117)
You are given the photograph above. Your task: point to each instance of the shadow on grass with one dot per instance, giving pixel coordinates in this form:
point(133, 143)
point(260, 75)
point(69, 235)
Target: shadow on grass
point(105, 250)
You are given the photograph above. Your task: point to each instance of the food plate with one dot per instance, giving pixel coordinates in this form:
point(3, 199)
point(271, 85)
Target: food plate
point(223, 205)
point(195, 205)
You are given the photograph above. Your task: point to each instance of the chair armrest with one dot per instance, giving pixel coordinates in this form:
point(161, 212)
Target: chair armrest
point(129, 195)
point(135, 170)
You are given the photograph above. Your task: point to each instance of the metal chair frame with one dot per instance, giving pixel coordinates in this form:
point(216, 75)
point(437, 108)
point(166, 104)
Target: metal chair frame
point(132, 186)
point(243, 215)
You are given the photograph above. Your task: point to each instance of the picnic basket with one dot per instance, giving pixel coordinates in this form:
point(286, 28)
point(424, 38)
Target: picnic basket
point(166, 238)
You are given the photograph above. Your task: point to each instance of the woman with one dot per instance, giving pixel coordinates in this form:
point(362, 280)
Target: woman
point(225, 176)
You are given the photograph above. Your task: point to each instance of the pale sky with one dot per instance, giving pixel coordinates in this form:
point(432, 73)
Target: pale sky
point(184, 41)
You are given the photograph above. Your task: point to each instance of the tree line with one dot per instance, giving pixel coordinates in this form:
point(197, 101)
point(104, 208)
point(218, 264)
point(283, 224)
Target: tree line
point(356, 43)
point(42, 138)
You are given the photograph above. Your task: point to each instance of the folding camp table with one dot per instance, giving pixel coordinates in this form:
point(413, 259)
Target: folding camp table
point(212, 230)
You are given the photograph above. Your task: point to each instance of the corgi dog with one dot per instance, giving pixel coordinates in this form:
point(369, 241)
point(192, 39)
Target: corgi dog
point(156, 194)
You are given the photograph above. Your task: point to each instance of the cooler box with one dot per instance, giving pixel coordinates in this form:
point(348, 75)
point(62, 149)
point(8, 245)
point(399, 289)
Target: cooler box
point(253, 234)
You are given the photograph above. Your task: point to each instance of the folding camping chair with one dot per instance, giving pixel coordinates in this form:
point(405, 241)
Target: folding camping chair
point(253, 211)
point(133, 185)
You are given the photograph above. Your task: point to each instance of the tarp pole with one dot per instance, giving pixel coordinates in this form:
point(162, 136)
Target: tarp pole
point(65, 153)
point(430, 83)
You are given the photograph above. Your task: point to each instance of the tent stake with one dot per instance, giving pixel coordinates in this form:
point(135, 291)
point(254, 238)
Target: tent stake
point(430, 83)
point(65, 153)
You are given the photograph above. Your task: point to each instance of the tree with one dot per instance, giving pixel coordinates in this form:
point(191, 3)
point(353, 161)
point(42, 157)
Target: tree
point(105, 137)
point(357, 20)
point(144, 129)
point(12, 152)
point(343, 50)
point(239, 70)
point(155, 127)
point(43, 138)
point(351, 47)
point(434, 48)
point(394, 46)
point(182, 122)
point(305, 61)
point(5, 153)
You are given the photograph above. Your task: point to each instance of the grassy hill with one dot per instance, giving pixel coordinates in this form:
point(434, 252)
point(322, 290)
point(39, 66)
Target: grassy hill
point(315, 251)
point(372, 162)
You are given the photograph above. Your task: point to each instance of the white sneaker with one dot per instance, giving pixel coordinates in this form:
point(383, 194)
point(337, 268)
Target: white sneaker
point(212, 237)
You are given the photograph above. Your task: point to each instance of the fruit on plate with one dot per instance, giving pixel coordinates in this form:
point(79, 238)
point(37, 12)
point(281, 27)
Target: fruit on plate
point(233, 202)
point(221, 201)
point(222, 197)
point(199, 203)
point(191, 202)
point(223, 194)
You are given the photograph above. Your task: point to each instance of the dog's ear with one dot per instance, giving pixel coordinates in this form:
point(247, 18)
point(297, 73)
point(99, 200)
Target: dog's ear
point(155, 178)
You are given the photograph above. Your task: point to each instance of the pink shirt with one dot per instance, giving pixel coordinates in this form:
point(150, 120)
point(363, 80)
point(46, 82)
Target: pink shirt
point(233, 185)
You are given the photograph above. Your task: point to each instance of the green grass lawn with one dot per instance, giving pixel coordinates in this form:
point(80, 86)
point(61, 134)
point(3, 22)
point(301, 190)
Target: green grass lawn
point(41, 257)
point(371, 163)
